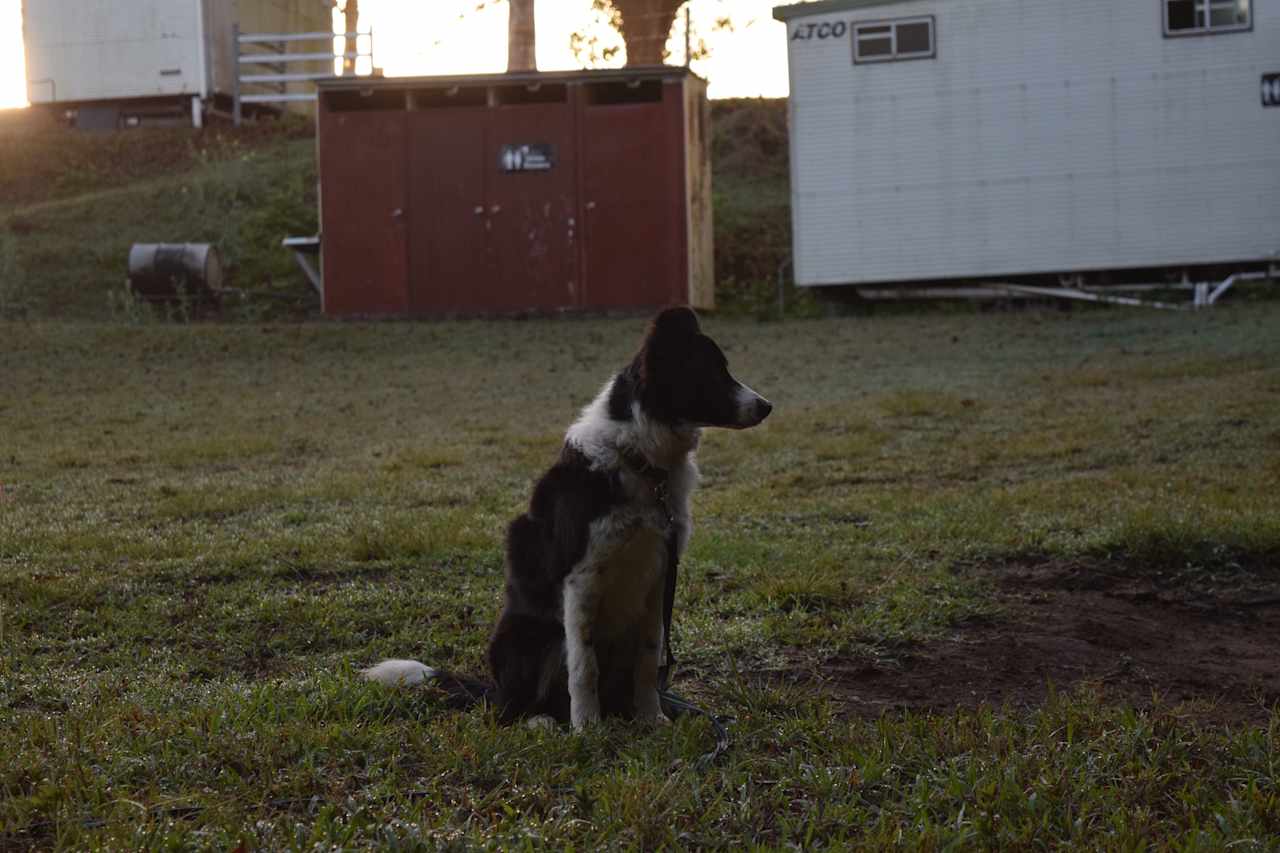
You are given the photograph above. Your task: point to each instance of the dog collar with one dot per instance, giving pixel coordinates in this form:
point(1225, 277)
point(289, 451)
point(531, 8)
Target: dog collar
point(642, 466)
point(657, 478)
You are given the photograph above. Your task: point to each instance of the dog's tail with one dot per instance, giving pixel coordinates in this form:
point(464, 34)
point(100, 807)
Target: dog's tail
point(460, 690)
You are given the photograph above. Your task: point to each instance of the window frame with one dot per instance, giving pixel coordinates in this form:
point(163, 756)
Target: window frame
point(1208, 29)
point(893, 23)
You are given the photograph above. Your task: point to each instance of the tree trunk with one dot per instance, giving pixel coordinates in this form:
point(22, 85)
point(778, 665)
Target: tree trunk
point(646, 24)
point(352, 13)
point(522, 37)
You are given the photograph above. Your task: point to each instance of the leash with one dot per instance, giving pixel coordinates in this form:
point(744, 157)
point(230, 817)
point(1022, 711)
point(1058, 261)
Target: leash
point(674, 705)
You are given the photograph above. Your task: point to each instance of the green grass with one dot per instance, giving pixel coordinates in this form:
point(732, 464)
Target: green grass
point(64, 240)
point(205, 530)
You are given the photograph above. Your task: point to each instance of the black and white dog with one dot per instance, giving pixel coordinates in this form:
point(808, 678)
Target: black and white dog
point(581, 629)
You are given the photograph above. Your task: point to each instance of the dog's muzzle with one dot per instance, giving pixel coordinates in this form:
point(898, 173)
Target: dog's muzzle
point(752, 408)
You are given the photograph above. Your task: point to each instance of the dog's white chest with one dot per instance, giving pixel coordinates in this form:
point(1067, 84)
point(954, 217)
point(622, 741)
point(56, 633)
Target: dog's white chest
point(630, 581)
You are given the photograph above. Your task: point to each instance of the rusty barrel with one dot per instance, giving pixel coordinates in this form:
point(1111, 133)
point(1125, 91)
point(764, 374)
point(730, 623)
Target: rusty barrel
point(173, 270)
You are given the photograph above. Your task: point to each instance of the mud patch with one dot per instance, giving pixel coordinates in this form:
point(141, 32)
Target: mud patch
point(1208, 645)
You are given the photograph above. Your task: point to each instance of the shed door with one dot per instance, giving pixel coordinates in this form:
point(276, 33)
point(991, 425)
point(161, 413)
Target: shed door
point(532, 203)
point(449, 261)
point(633, 191)
point(362, 158)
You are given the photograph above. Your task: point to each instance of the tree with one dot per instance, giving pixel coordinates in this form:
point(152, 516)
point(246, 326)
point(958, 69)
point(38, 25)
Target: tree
point(522, 32)
point(351, 13)
point(645, 26)
point(522, 36)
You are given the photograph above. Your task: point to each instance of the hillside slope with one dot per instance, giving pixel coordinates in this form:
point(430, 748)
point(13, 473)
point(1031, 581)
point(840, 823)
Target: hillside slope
point(72, 203)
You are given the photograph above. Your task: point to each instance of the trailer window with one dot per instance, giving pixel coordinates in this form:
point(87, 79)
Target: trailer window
point(875, 42)
point(881, 41)
point(1194, 17)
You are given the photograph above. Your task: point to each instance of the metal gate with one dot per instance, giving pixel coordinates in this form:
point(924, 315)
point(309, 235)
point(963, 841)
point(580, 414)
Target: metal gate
point(288, 58)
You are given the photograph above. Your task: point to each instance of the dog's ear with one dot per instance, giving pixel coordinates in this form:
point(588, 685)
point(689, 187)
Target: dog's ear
point(675, 322)
point(662, 357)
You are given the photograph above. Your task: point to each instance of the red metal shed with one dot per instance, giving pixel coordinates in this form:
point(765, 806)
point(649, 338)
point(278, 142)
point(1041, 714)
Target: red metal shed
point(515, 192)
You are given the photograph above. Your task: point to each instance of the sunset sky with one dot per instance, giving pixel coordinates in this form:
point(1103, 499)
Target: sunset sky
point(428, 37)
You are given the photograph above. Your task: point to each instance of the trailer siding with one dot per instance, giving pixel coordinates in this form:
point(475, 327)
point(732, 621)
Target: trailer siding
point(94, 51)
point(1044, 137)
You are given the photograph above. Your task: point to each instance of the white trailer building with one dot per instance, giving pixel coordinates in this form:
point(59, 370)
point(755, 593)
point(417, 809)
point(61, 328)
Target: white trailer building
point(990, 139)
point(145, 55)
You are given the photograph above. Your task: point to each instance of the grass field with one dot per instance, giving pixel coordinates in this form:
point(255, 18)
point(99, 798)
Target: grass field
point(205, 530)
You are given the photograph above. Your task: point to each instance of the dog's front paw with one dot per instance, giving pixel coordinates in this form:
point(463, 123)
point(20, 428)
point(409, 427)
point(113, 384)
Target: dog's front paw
point(543, 722)
point(649, 708)
point(580, 718)
point(651, 713)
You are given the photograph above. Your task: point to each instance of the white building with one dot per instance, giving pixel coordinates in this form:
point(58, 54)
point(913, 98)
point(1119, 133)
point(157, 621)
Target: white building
point(948, 139)
point(147, 54)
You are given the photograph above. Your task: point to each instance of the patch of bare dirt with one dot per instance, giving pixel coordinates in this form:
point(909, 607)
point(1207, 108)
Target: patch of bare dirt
point(1212, 647)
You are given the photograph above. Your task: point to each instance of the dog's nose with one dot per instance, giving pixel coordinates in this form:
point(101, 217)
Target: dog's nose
point(763, 408)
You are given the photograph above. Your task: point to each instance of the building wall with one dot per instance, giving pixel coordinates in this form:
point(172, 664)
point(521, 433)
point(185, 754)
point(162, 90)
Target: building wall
point(424, 211)
point(1045, 136)
point(108, 49)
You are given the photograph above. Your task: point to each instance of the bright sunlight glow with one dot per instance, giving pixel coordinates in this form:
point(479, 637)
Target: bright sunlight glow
point(424, 37)
point(13, 80)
